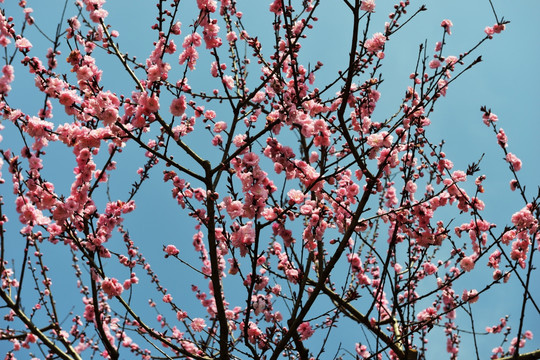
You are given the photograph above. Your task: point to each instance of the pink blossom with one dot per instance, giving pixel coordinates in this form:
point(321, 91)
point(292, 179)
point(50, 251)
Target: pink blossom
point(459, 176)
point(198, 324)
point(376, 43)
point(253, 331)
point(380, 139)
point(150, 103)
point(513, 184)
point(411, 187)
point(167, 298)
point(428, 314)
point(251, 159)
point(23, 44)
point(175, 29)
point(429, 268)
point(231, 36)
point(451, 61)
point(228, 81)
point(296, 196)
point(178, 106)
point(190, 55)
point(442, 85)
point(214, 69)
point(112, 287)
point(275, 7)
point(368, 5)
point(514, 161)
point(447, 24)
point(305, 331)
point(495, 29)
point(98, 14)
point(498, 28)
point(220, 126)
point(193, 39)
point(502, 140)
point(239, 140)
point(489, 118)
point(507, 236)
point(525, 220)
point(361, 350)
point(211, 30)
point(234, 208)
point(209, 5)
point(243, 237)
point(467, 263)
point(5, 32)
point(433, 64)
point(259, 97)
point(6, 79)
point(68, 98)
point(470, 296)
point(171, 250)
point(181, 315)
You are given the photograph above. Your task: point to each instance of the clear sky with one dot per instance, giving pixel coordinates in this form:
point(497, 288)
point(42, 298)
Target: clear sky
point(506, 81)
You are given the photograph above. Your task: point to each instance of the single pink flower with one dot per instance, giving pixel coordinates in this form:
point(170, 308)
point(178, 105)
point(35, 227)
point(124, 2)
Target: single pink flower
point(361, 350)
point(447, 24)
point(305, 331)
point(467, 263)
point(171, 250)
point(231, 36)
point(368, 5)
point(23, 44)
point(198, 324)
point(433, 64)
point(220, 126)
point(178, 106)
point(513, 184)
point(296, 196)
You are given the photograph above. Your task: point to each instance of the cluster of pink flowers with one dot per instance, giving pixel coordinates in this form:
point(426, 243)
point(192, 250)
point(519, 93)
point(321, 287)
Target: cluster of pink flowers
point(243, 236)
point(276, 7)
point(495, 29)
point(95, 7)
point(376, 43)
point(514, 161)
point(428, 315)
point(6, 31)
point(190, 54)
point(112, 287)
point(470, 296)
point(6, 79)
point(489, 118)
point(351, 187)
point(157, 69)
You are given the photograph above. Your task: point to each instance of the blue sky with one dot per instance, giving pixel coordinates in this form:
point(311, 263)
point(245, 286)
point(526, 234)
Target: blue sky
point(506, 81)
